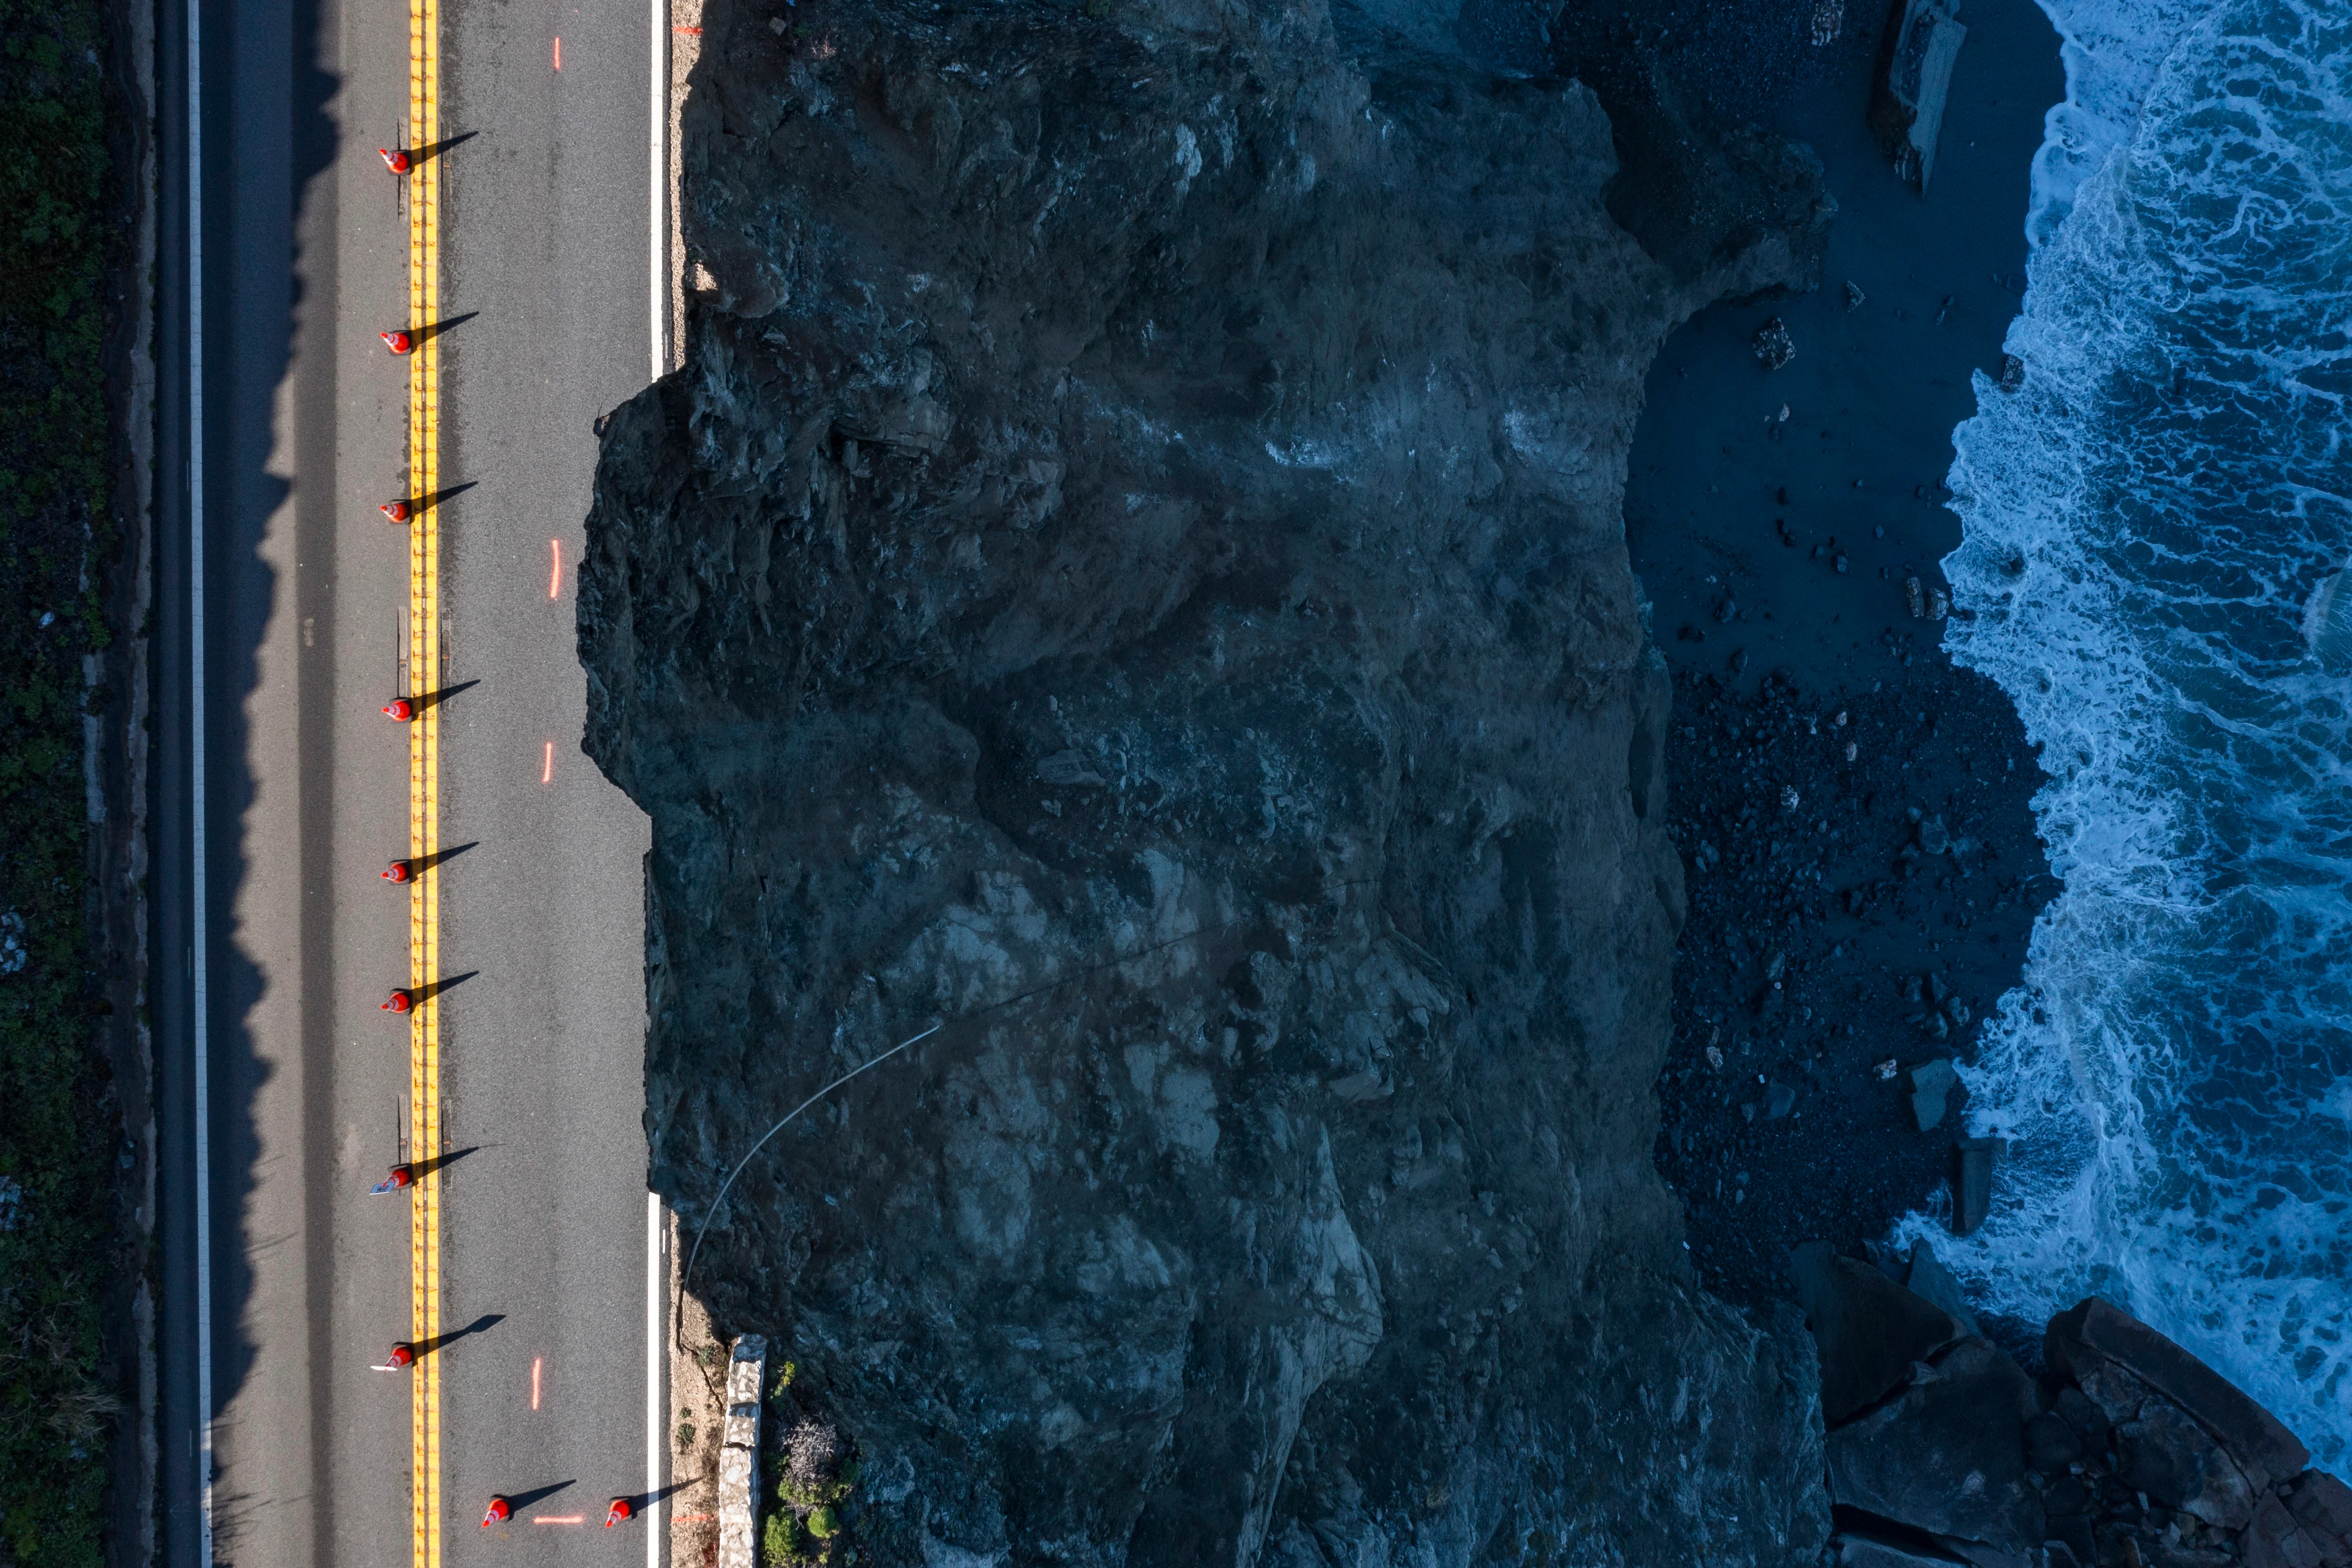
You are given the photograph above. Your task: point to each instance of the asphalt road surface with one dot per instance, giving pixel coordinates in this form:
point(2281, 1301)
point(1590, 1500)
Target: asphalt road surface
point(304, 251)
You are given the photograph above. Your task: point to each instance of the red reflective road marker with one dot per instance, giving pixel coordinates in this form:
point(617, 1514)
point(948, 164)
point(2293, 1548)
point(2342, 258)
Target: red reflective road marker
point(398, 343)
point(555, 576)
point(547, 765)
point(398, 1002)
point(618, 1513)
point(398, 871)
point(398, 510)
point(534, 1381)
point(393, 159)
point(400, 708)
point(501, 1511)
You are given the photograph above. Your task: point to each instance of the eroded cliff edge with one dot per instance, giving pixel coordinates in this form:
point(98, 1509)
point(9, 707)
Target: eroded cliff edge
point(1132, 567)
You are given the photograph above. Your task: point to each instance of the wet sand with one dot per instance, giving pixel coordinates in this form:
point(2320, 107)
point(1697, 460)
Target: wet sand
point(1881, 915)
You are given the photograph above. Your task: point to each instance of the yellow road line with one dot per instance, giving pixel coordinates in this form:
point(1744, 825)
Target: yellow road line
point(424, 777)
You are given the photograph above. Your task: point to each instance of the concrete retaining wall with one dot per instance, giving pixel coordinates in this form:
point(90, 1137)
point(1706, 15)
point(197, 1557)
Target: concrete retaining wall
point(738, 1455)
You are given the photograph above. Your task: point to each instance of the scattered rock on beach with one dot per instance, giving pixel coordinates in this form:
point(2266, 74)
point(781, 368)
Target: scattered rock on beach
point(1931, 1088)
point(1779, 1101)
point(1853, 295)
point(1774, 346)
point(1940, 604)
point(1972, 1182)
point(1912, 595)
point(2013, 374)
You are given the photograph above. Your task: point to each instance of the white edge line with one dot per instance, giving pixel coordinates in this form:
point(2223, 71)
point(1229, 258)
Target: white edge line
point(657, 189)
point(654, 1405)
point(199, 935)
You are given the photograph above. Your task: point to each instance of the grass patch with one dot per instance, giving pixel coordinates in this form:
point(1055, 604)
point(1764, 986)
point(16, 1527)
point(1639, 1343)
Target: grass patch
point(60, 225)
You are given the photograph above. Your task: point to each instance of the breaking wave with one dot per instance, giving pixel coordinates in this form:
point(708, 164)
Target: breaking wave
point(2153, 525)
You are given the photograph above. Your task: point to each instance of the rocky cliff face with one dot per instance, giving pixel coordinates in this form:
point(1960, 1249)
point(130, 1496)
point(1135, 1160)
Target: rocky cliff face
point(1133, 568)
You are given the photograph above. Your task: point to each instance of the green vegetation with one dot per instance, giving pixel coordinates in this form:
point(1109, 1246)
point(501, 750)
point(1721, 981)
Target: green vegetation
point(780, 1545)
point(58, 233)
point(823, 1523)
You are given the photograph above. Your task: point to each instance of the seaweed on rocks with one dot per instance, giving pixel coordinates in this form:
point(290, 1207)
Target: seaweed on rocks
point(1132, 567)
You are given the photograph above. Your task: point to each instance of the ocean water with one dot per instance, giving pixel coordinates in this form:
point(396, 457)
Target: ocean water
point(2151, 530)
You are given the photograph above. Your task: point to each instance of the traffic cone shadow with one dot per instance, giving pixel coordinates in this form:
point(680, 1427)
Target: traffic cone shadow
point(406, 508)
point(400, 710)
point(408, 999)
point(408, 1173)
point(439, 1343)
point(418, 337)
point(521, 1500)
point(408, 870)
point(407, 159)
point(622, 1509)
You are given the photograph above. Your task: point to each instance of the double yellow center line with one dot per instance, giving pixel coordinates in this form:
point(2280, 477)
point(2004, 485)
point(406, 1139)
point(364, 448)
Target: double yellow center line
point(424, 774)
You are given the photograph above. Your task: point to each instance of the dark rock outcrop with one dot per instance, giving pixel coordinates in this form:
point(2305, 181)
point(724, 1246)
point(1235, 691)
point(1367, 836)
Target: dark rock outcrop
point(1871, 1331)
point(1945, 1455)
point(2118, 1360)
point(1133, 568)
point(2131, 1452)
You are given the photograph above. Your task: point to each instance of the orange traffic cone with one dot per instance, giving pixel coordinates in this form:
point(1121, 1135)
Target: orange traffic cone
point(393, 159)
point(398, 1002)
point(403, 1355)
point(400, 1177)
point(618, 1513)
point(398, 343)
point(400, 708)
point(499, 1512)
point(398, 510)
point(399, 871)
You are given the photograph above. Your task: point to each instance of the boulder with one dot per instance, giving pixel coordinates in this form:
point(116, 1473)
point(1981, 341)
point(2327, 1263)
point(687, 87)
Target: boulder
point(2323, 1506)
point(1972, 1182)
point(2094, 1334)
point(2051, 1445)
point(1927, 1277)
point(1858, 1546)
point(2278, 1539)
point(1931, 1088)
point(1947, 1455)
point(1869, 1329)
point(2072, 1532)
point(1977, 1554)
point(2177, 1462)
point(2089, 1422)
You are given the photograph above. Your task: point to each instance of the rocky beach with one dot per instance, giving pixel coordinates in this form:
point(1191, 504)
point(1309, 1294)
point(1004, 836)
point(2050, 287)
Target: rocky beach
point(1782, 522)
point(1333, 613)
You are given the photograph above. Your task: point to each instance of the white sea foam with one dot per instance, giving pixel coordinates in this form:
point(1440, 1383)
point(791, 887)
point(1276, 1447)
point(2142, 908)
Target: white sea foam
point(2148, 525)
